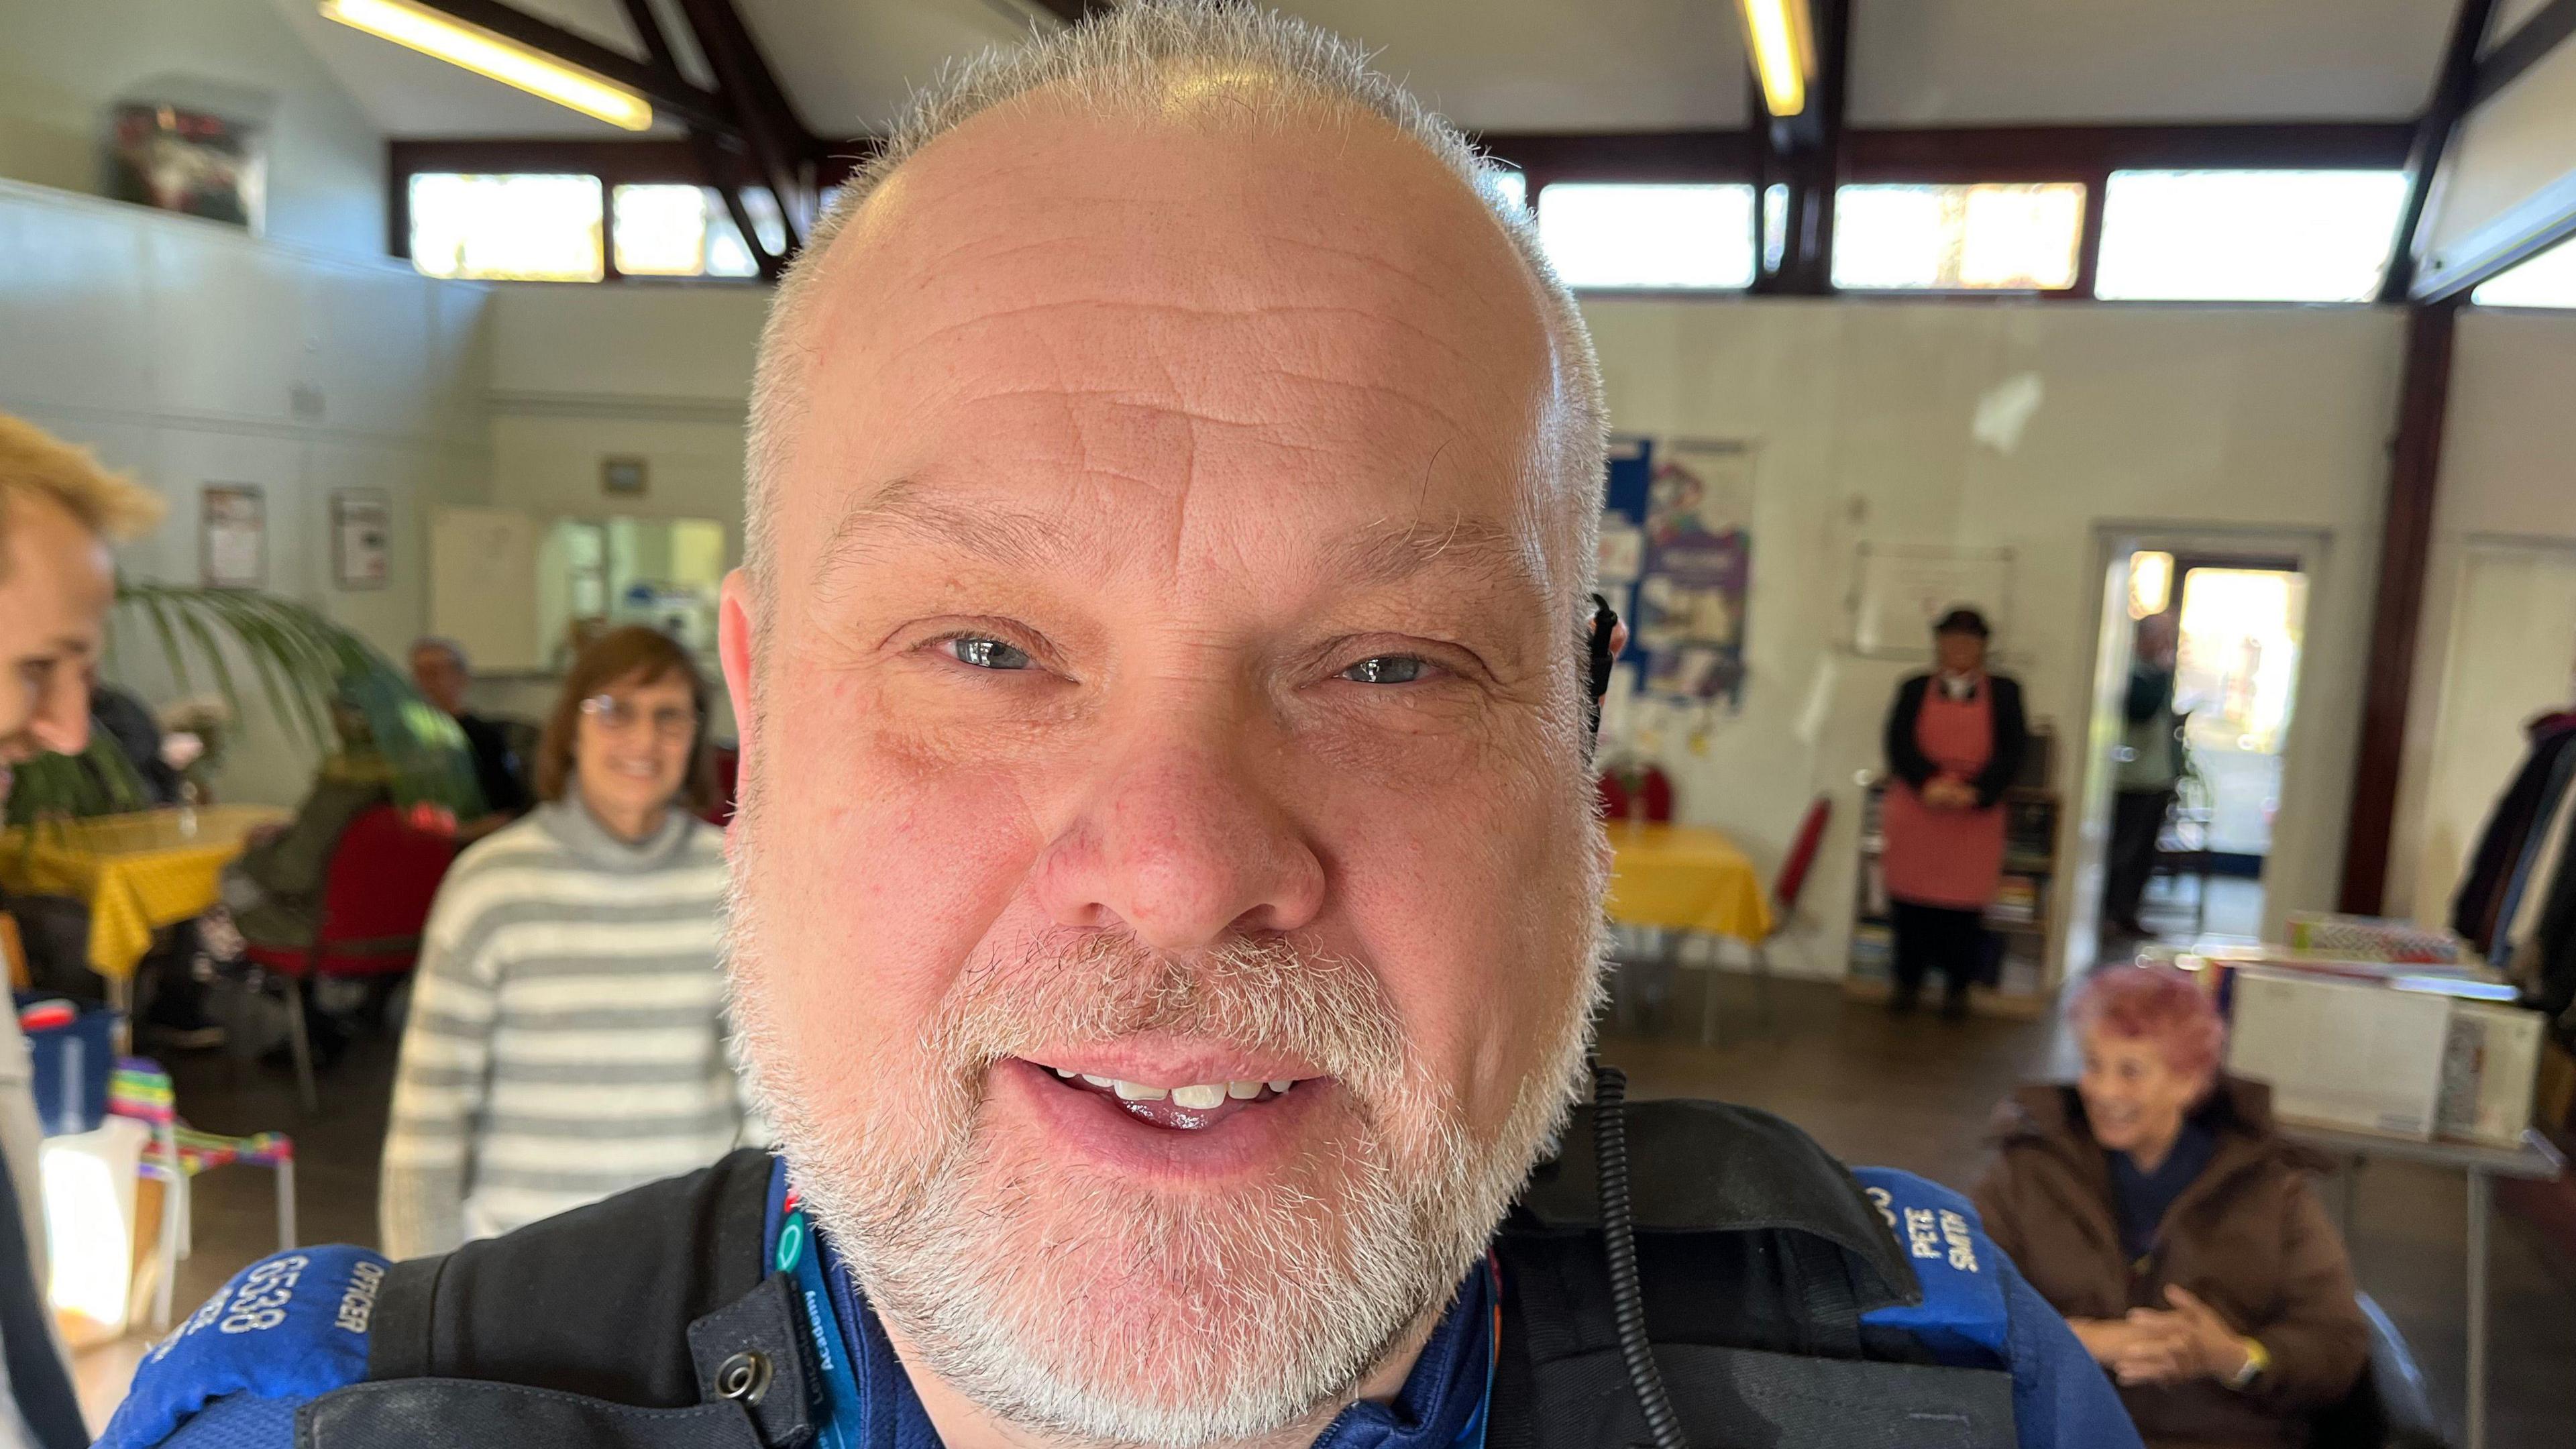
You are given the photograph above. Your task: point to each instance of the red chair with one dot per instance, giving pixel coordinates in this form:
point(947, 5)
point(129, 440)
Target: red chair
point(375, 899)
point(1786, 887)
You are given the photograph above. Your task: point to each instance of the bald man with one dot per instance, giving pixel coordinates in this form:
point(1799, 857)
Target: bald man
point(1167, 899)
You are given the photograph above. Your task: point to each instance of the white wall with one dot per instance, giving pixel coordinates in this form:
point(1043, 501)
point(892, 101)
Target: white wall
point(2508, 487)
point(582, 373)
point(2170, 419)
point(63, 61)
point(191, 354)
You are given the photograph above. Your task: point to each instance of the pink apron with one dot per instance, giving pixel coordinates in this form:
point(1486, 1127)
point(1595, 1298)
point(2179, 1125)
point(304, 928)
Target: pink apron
point(1950, 858)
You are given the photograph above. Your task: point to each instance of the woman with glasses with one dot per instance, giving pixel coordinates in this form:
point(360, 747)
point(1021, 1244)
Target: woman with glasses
point(566, 1039)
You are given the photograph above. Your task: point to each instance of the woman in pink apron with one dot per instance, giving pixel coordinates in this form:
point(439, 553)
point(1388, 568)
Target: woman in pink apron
point(1954, 743)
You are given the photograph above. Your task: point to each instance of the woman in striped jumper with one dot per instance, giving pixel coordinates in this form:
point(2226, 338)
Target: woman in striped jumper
point(567, 1038)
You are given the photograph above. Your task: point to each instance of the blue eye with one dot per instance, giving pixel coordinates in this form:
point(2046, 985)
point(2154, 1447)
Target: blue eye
point(986, 653)
point(1386, 669)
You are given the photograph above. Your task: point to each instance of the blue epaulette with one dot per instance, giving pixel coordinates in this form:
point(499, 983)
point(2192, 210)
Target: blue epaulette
point(288, 1328)
point(1962, 1318)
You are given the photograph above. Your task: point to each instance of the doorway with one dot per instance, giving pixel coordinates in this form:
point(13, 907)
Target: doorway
point(2196, 690)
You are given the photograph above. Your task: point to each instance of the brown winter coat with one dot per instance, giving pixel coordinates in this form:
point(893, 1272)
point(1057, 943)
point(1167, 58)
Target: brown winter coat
point(2248, 1236)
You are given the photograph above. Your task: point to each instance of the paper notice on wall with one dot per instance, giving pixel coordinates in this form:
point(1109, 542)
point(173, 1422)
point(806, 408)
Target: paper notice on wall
point(233, 536)
point(1899, 590)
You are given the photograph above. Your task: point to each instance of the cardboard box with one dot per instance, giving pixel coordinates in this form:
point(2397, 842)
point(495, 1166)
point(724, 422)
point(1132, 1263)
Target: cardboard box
point(2341, 1053)
point(2490, 1065)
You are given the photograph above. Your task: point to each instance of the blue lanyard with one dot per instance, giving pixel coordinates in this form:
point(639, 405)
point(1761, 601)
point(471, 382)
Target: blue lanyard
point(834, 1399)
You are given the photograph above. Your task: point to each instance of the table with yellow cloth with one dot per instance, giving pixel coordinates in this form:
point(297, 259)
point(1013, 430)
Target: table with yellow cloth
point(1685, 878)
point(1682, 878)
point(136, 872)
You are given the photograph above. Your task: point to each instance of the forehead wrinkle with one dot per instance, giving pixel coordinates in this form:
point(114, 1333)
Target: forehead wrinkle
point(868, 530)
point(1390, 552)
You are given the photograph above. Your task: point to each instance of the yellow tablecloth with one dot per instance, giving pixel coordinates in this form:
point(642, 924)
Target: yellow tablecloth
point(1683, 878)
point(140, 871)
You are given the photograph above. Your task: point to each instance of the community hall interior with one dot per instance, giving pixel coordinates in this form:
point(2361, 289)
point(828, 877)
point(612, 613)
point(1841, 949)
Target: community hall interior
point(2198, 369)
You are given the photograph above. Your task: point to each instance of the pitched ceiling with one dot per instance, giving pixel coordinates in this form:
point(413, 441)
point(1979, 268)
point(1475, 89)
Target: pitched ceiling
point(1573, 65)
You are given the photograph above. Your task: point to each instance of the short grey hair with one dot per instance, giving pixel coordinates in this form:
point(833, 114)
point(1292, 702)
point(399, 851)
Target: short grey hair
point(442, 643)
point(1120, 63)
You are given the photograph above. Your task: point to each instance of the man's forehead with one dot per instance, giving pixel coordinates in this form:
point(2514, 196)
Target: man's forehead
point(1088, 534)
point(1140, 312)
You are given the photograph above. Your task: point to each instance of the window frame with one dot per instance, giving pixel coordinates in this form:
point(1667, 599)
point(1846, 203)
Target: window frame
point(1905, 156)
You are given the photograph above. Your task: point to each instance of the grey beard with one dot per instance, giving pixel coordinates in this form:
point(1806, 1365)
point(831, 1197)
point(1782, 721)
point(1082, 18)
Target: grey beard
point(1258, 1311)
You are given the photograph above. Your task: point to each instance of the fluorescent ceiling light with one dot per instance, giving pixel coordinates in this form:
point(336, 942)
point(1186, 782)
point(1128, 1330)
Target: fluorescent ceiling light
point(1775, 33)
point(484, 53)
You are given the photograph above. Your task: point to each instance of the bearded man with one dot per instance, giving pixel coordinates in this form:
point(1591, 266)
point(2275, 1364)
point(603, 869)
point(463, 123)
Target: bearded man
point(1167, 895)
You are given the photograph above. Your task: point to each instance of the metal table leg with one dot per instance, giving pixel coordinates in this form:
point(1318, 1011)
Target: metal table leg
point(2481, 1213)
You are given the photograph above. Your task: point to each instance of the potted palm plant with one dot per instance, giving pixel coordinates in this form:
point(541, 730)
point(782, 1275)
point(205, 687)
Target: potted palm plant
point(302, 663)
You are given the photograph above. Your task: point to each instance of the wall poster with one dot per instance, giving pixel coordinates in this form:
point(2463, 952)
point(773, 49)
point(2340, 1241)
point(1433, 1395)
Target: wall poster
point(361, 534)
point(1899, 590)
point(1697, 571)
point(232, 536)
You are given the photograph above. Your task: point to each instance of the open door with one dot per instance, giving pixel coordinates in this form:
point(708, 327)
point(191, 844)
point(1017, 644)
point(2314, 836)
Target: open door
point(2196, 682)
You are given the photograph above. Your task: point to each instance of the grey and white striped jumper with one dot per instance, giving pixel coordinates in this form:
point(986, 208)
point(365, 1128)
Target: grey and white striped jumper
point(566, 1039)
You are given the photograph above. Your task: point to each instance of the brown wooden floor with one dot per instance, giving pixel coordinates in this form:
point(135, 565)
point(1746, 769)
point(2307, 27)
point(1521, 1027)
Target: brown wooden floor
point(1912, 1094)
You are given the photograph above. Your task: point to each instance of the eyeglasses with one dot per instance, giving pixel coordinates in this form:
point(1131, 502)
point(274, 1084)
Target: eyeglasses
point(618, 717)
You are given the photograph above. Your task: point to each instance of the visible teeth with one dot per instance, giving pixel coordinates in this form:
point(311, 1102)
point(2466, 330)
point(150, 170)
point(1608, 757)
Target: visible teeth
point(1243, 1091)
point(1063, 1071)
point(1199, 1097)
point(1137, 1092)
point(1281, 1086)
point(1096, 1081)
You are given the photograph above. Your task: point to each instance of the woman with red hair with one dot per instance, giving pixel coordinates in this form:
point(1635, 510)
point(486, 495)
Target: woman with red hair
point(2153, 1203)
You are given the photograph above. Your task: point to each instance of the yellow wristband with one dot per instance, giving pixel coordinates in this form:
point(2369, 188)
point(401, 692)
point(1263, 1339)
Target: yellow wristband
point(2258, 1362)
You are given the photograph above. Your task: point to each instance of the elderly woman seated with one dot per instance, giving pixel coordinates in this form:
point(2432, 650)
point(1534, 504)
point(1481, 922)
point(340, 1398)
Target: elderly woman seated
point(2154, 1205)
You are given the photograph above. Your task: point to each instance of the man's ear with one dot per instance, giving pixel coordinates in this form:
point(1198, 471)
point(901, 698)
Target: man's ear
point(735, 639)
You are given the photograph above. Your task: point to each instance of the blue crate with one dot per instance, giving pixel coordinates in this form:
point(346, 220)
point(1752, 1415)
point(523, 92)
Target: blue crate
point(73, 1063)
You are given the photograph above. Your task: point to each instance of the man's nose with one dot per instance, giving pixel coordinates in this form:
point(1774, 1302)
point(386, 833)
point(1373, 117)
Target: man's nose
point(1177, 840)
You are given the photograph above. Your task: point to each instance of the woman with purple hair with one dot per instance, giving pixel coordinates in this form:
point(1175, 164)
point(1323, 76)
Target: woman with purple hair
point(2152, 1202)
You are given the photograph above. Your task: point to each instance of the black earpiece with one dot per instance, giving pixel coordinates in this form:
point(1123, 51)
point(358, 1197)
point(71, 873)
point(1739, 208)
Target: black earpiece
point(1599, 657)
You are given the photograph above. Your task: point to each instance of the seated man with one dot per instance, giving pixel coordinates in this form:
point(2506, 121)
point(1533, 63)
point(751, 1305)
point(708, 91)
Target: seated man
point(1167, 895)
point(440, 672)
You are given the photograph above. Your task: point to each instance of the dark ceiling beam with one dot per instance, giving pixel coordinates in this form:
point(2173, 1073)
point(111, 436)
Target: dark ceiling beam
point(1648, 156)
point(1803, 154)
point(663, 85)
point(2067, 153)
point(781, 150)
point(644, 161)
point(648, 29)
point(2397, 605)
point(1073, 12)
point(2505, 62)
point(2008, 153)
point(2432, 137)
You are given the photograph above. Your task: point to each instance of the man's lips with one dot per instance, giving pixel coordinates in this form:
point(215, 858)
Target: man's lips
point(1164, 1139)
point(1189, 1107)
